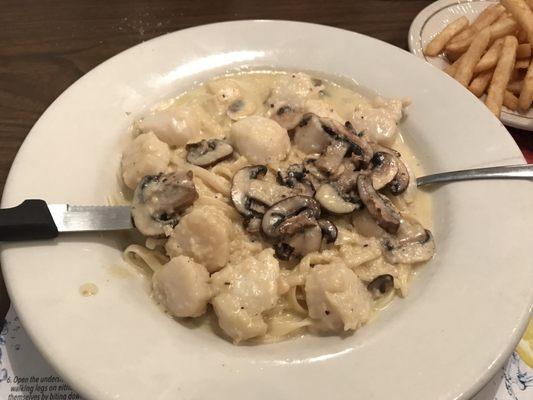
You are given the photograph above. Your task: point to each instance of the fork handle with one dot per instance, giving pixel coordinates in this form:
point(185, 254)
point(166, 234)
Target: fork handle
point(504, 172)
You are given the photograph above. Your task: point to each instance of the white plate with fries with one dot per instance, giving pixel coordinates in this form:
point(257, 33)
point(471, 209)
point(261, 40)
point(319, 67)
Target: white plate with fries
point(494, 65)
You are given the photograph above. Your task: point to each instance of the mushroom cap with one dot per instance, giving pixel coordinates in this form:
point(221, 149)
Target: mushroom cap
point(379, 207)
point(158, 199)
point(307, 241)
point(208, 152)
point(400, 182)
point(329, 230)
point(418, 249)
point(330, 199)
point(381, 285)
point(360, 148)
point(241, 184)
point(287, 117)
point(295, 177)
point(240, 108)
point(250, 195)
point(384, 169)
point(332, 158)
point(309, 136)
point(285, 209)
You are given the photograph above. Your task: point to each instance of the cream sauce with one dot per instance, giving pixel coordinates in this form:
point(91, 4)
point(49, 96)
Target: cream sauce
point(242, 108)
point(338, 99)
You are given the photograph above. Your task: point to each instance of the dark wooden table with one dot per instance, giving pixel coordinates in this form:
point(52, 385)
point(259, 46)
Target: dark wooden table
point(46, 45)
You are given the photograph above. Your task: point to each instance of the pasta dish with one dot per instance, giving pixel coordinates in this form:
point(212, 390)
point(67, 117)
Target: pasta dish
point(283, 203)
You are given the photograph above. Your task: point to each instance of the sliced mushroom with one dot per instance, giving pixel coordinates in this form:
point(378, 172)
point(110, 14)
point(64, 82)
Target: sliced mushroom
point(292, 223)
point(267, 192)
point(331, 200)
point(252, 224)
point(384, 169)
point(417, 249)
point(304, 242)
point(295, 224)
point(256, 207)
point(307, 241)
point(348, 125)
point(287, 117)
point(331, 159)
point(158, 200)
point(381, 285)
point(293, 174)
point(283, 251)
point(309, 136)
point(329, 230)
point(400, 182)
point(241, 184)
point(240, 108)
point(346, 184)
point(313, 173)
point(250, 195)
point(360, 149)
point(295, 178)
point(285, 209)
point(379, 207)
point(208, 152)
point(347, 180)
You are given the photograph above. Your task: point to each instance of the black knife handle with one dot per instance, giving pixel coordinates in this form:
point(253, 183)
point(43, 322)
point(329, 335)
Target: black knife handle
point(30, 220)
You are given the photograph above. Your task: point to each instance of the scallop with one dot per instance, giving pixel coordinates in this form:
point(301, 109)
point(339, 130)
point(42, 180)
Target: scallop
point(243, 292)
point(205, 235)
point(378, 120)
point(237, 101)
point(175, 125)
point(337, 298)
point(322, 109)
point(182, 287)
point(261, 140)
point(293, 90)
point(146, 155)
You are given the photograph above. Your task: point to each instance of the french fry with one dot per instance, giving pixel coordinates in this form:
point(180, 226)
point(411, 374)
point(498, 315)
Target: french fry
point(465, 67)
point(452, 68)
point(518, 74)
point(521, 36)
point(515, 87)
point(522, 14)
point(490, 58)
point(522, 64)
point(507, 26)
point(510, 101)
point(480, 83)
point(526, 94)
point(487, 17)
point(502, 74)
point(523, 51)
point(453, 56)
point(441, 40)
point(499, 29)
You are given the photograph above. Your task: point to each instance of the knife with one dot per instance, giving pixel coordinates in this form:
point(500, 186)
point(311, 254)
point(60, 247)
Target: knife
point(34, 220)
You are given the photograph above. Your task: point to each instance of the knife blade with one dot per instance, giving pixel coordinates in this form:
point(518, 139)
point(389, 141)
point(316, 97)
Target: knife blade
point(70, 218)
point(34, 219)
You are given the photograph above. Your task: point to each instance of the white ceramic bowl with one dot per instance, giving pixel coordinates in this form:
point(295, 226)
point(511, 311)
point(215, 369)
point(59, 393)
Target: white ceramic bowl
point(460, 322)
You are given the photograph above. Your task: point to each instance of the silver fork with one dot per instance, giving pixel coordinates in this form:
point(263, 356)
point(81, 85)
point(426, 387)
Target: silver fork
point(504, 172)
